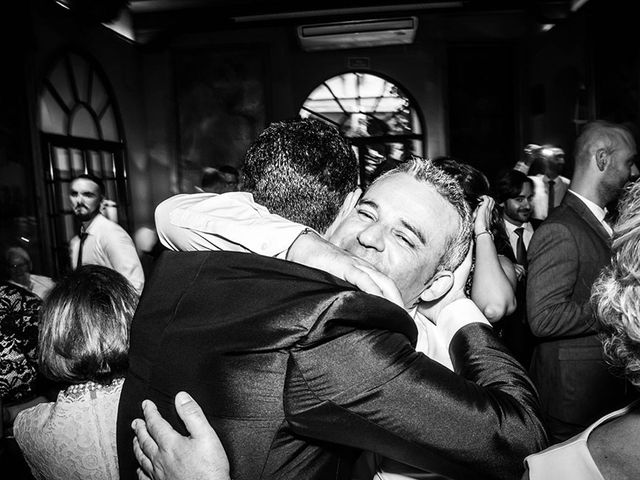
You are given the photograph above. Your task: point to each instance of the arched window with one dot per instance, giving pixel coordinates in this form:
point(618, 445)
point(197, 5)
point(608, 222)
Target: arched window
point(80, 133)
point(377, 115)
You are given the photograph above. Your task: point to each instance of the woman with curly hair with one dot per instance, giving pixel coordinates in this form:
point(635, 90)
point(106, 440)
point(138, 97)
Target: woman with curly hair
point(609, 449)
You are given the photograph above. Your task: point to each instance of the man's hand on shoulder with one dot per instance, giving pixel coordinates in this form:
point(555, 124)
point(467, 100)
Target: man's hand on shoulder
point(313, 251)
point(164, 454)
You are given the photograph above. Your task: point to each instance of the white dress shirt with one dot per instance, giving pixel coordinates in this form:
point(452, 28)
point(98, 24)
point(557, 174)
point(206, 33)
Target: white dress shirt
point(230, 222)
point(527, 233)
point(38, 284)
point(109, 245)
point(540, 201)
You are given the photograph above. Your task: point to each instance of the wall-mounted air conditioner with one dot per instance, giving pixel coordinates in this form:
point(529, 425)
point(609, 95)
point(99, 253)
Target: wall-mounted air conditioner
point(357, 34)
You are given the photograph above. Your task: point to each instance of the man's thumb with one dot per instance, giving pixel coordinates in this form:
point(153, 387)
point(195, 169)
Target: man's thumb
point(192, 415)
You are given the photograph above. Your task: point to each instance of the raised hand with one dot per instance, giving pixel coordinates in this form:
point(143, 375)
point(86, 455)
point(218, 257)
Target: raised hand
point(482, 215)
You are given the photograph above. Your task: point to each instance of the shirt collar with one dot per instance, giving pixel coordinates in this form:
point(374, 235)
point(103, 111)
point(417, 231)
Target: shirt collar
point(94, 224)
point(511, 228)
point(596, 209)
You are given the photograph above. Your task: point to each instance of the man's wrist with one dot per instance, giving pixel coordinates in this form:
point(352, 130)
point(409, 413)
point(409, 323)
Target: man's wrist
point(306, 236)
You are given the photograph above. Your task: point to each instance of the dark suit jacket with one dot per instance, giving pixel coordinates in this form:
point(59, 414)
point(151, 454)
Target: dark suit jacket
point(566, 254)
point(296, 370)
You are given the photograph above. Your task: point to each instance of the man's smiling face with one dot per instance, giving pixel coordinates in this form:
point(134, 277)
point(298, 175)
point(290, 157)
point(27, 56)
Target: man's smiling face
point(401, 225)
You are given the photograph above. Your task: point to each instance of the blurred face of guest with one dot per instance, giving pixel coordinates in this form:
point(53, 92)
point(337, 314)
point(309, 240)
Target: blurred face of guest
point(19, 269)
point(400, 226)
point(554, 165)
point(231, 183)
point(517, 210)
point(85, 199)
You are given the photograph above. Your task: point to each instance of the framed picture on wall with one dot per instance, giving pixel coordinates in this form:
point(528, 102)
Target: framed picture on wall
point(221, 106)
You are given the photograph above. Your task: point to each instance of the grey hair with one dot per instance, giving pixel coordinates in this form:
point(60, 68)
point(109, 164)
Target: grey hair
point(457, 245)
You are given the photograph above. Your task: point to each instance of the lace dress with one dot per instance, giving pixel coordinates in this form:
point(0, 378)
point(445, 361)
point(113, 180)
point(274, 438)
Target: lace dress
point(75, 437)
point(18, 341)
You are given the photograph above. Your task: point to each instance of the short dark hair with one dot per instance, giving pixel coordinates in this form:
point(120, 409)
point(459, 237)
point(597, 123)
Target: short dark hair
point(84, 326)
point(95, 179)
point(509, 185)
point(212, 176)
point(301, 170)
point(474, 183)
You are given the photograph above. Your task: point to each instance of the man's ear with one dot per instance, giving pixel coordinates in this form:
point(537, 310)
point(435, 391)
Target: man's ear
point(349, 203)
point(438, 286)
point(601, 159)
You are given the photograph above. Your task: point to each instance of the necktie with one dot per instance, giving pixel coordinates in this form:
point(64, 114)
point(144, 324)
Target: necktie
point(552, 194)
point(83, 237)
point(521, 251)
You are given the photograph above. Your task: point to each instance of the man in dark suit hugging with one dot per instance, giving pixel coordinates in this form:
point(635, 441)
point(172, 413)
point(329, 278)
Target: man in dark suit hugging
point(298, 371)
point(566, 254)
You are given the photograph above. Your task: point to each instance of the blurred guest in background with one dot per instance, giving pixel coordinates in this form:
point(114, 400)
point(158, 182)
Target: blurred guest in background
point(101, 241)
point(18, 341)
point(220, 180)
point(549, 187)
point(148, 248)
point(19, 385)
point(608, 449)
point(84, 341)
point(20, 267)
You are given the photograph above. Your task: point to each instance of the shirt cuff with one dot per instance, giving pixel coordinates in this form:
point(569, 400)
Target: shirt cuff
point(457, 315)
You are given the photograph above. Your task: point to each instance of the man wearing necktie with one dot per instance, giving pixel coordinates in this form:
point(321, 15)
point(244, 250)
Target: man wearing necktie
point(566, 254)
point(550, 187)
point(514, 192)
point(101, 241)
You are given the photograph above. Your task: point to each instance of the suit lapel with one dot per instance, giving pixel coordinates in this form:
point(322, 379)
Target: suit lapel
point(574, 203)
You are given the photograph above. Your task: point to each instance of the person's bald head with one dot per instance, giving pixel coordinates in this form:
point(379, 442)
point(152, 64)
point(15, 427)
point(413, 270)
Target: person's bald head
point(605, 158)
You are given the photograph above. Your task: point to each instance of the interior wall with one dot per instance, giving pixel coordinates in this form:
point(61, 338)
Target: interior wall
point(291, 74)
point(54, 30)
point(586, 68)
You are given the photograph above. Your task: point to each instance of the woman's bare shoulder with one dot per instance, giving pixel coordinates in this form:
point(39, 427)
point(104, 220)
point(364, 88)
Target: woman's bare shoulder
point(615, 446)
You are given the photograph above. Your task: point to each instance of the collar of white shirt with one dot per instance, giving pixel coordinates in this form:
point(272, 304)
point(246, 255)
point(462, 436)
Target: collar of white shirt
point(599, 212)
point(511, 228)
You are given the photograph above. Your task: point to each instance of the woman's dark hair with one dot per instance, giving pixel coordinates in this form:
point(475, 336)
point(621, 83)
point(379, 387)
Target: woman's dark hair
point(84, 326)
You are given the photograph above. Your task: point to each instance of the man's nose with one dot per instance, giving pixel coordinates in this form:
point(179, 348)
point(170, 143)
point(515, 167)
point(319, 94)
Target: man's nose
point(635, 173)
point(372, 237)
